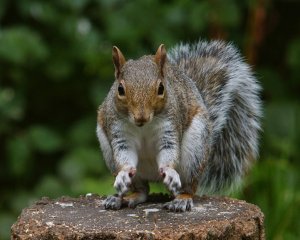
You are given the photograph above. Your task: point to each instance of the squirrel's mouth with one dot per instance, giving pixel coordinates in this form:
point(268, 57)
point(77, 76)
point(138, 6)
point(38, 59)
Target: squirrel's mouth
point(140, 124)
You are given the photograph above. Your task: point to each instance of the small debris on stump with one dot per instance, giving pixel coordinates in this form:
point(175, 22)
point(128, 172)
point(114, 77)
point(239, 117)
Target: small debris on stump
point(86, 218)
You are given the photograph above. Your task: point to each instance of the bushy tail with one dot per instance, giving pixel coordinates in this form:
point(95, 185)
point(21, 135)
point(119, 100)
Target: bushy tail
point(231, 94)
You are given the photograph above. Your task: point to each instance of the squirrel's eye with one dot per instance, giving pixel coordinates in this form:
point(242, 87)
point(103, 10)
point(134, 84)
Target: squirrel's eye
point(121, 90)
point(161, 89)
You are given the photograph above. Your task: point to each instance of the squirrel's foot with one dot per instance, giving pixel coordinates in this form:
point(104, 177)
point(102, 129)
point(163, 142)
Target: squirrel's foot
point(135, 198)
point(182, 202)
point(113, 202)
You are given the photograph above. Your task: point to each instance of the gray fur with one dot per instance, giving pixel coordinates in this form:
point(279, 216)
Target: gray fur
point(234, 107)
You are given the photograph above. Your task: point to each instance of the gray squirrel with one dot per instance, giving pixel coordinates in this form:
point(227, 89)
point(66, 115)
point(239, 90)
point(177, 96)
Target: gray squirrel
point(189, 118)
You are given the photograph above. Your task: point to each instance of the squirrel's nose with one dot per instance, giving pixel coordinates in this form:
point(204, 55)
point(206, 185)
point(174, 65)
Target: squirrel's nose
point(140, 121)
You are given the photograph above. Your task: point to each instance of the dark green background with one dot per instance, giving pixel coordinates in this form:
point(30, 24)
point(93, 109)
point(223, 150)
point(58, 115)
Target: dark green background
point(55, 69)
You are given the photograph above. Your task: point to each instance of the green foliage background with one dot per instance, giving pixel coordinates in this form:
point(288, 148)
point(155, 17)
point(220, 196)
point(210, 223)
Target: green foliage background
point(55, 69)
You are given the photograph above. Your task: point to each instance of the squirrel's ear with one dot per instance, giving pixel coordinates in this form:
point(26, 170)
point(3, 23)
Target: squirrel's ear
point(160, 58)
point(118, 59)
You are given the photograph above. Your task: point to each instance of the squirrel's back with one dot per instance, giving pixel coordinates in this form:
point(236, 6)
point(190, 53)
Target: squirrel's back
point(231, 95)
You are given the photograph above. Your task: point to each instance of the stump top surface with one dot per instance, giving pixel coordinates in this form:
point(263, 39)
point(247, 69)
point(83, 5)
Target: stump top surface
point(86, 218)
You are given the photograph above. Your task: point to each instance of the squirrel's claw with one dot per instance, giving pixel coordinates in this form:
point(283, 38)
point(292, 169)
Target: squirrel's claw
point(179, 205)
point(113, 202)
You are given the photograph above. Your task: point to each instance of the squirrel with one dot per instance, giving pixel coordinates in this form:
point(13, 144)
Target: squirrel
point(189, 118)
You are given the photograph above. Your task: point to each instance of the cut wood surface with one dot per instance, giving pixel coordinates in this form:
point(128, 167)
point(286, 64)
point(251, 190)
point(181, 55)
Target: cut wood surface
point(86, 218)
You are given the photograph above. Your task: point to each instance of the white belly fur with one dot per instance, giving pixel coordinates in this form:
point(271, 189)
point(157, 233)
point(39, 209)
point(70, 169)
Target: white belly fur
point(144, 140)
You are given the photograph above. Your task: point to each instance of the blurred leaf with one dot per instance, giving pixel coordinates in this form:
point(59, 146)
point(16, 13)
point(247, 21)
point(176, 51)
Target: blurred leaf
point(83, 132)
point(202, 9)
point(103, 186)
point(74, 4)
point(98, 94)
point(6, 220)
point(293, 54)
point(21, 45)
point(3, 5)
point(11, 105)
point(273, 85)
point(44, 139)
point(20, 200)
point(58, 68)
point(68, 26)
point(280, 128)
point(43, 11)
point(281, 120)
point(18, 152)
point(226, 13)
point(50, 186)
point(81, 162)
point(94, 52)
point(176, 14)
point(273, 186)
point(158, 188)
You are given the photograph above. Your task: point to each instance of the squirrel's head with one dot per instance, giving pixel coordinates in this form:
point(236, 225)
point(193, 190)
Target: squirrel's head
point(140, 89)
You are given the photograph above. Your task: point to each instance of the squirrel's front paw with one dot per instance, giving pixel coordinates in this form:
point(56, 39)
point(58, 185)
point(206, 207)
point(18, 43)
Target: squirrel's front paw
point(171, 179)
point(123, 181)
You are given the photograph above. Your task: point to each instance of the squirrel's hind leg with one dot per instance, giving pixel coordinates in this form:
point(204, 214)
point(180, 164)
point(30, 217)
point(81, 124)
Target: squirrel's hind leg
point(139, 193)
point(131, 200)
point(184, 200)
point(135, 198)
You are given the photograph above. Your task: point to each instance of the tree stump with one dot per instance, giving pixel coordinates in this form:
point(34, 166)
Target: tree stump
point(86, 218)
